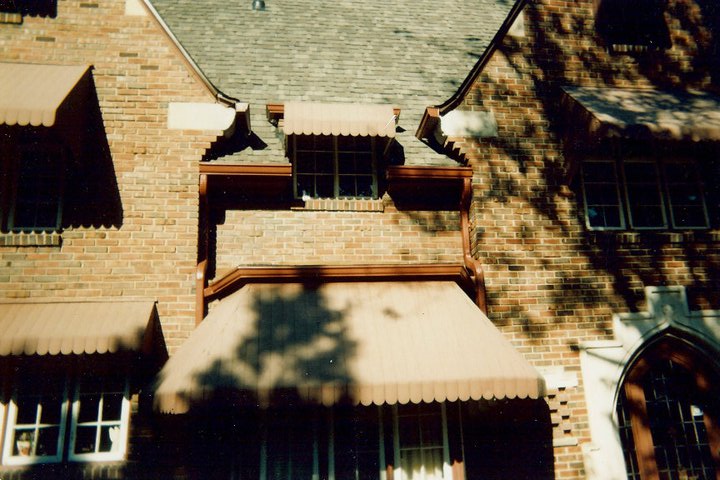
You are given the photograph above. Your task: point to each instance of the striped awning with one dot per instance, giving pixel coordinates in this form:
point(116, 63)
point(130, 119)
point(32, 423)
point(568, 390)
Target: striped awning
point(307, 118)
point(65, 328)
point(645, 113)
point(362, 342)
point(32, 94)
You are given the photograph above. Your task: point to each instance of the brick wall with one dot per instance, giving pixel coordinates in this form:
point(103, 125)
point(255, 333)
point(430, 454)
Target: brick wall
point(551, 283)
point(310, 237)
point(150, 249)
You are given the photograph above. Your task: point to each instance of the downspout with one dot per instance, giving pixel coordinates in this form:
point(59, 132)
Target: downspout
point(203, 249)
point(472, 264)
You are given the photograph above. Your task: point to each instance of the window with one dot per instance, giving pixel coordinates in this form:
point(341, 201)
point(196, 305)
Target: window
point(643, 194)
point(33, 175)
point(667, 414)
point(633, 25)
point(40, 414)
point(421, 440)
point(361, 443)
point(334, 166)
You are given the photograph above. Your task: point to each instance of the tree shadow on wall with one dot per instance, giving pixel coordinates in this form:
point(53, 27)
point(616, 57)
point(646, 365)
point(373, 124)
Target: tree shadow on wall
point(550, 57)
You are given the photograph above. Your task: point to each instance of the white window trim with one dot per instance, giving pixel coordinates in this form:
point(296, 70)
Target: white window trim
point(336, 169)
point(9, 435)
point(119, 453)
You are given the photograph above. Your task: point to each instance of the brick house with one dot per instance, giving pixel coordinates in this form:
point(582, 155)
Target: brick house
point(418, 240)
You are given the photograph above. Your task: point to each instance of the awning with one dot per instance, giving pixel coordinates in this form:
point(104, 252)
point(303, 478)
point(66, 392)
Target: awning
point(306, 118)
point(76, 327)
point(32, 94)
point(645, 113)
point(362, 342)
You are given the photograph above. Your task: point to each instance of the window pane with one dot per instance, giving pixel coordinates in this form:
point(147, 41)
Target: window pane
point(324, 143)
point(306, 185)
point(643, 194)
point(325, 187)
point(27, 410)
point(112, 406)
point(109, 438)
point(39, 185)
point(347, 186)
point(47, 443)
point(647, 216)
point(324, 162)
point(599, 171)
point(644, 172)
point(346, 163)
point(85, 439)
point(89, 405)
point(336, 157)
point(687, 204)
point(602, 197)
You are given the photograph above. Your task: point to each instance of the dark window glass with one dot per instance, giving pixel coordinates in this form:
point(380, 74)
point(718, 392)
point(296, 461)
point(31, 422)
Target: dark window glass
point(38, 192)
point(642, 185)
point(602, 197)
point(685, 195)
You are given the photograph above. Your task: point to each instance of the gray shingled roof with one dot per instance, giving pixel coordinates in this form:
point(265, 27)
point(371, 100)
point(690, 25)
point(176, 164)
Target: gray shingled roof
point(409, 53)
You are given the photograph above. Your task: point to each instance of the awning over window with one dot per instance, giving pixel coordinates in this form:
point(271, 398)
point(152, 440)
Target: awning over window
point(363, 342)
point(76, 327)
point(32, 94)
point(306, 118)
point(649, 113)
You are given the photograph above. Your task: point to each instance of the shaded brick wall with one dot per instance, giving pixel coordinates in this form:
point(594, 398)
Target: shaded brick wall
point(552, 284)
point(301, 237)
point(149, 248)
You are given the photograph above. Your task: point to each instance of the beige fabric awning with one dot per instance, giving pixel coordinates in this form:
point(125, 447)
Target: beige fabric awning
point(32, 94)
point(306, 118)
point(648, 113)
point(65, 328)
point(364, 342)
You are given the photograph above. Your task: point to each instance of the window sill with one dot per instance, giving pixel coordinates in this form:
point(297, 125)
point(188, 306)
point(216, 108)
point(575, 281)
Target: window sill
point(621, 237)
point(43, 239)
point(342, 205)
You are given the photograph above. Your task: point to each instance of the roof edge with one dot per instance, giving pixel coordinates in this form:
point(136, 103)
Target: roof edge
point(452, 102)
point(194, 67)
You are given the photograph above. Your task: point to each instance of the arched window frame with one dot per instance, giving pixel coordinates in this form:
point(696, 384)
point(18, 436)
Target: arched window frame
point(693, 360)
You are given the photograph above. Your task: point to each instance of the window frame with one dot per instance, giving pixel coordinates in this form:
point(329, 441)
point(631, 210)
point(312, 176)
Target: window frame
point(398, 472)
point(663, 186)
point(124, 424)
point(336, 151)
point(56, 153)
point(69, 412)
point(10, 431)
point(691, 163)
point(634, 396)
point(618, 195)
point(325, 451)
point(657, 184)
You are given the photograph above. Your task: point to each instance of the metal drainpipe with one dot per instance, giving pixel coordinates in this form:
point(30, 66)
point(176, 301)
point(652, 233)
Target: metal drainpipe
point(473, 265)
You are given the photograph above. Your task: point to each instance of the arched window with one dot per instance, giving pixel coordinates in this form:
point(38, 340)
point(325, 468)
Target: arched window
point(668, 414)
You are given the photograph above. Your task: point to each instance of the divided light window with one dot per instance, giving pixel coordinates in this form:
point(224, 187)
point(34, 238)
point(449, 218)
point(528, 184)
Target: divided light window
point(96, 411)
point(32, 177)
point(403, 442)
point(334, 166)
point(643, 194)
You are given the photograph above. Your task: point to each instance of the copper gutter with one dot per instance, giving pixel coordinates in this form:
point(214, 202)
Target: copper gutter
point(473, 265)
point(335, 273)
point(432, 113)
